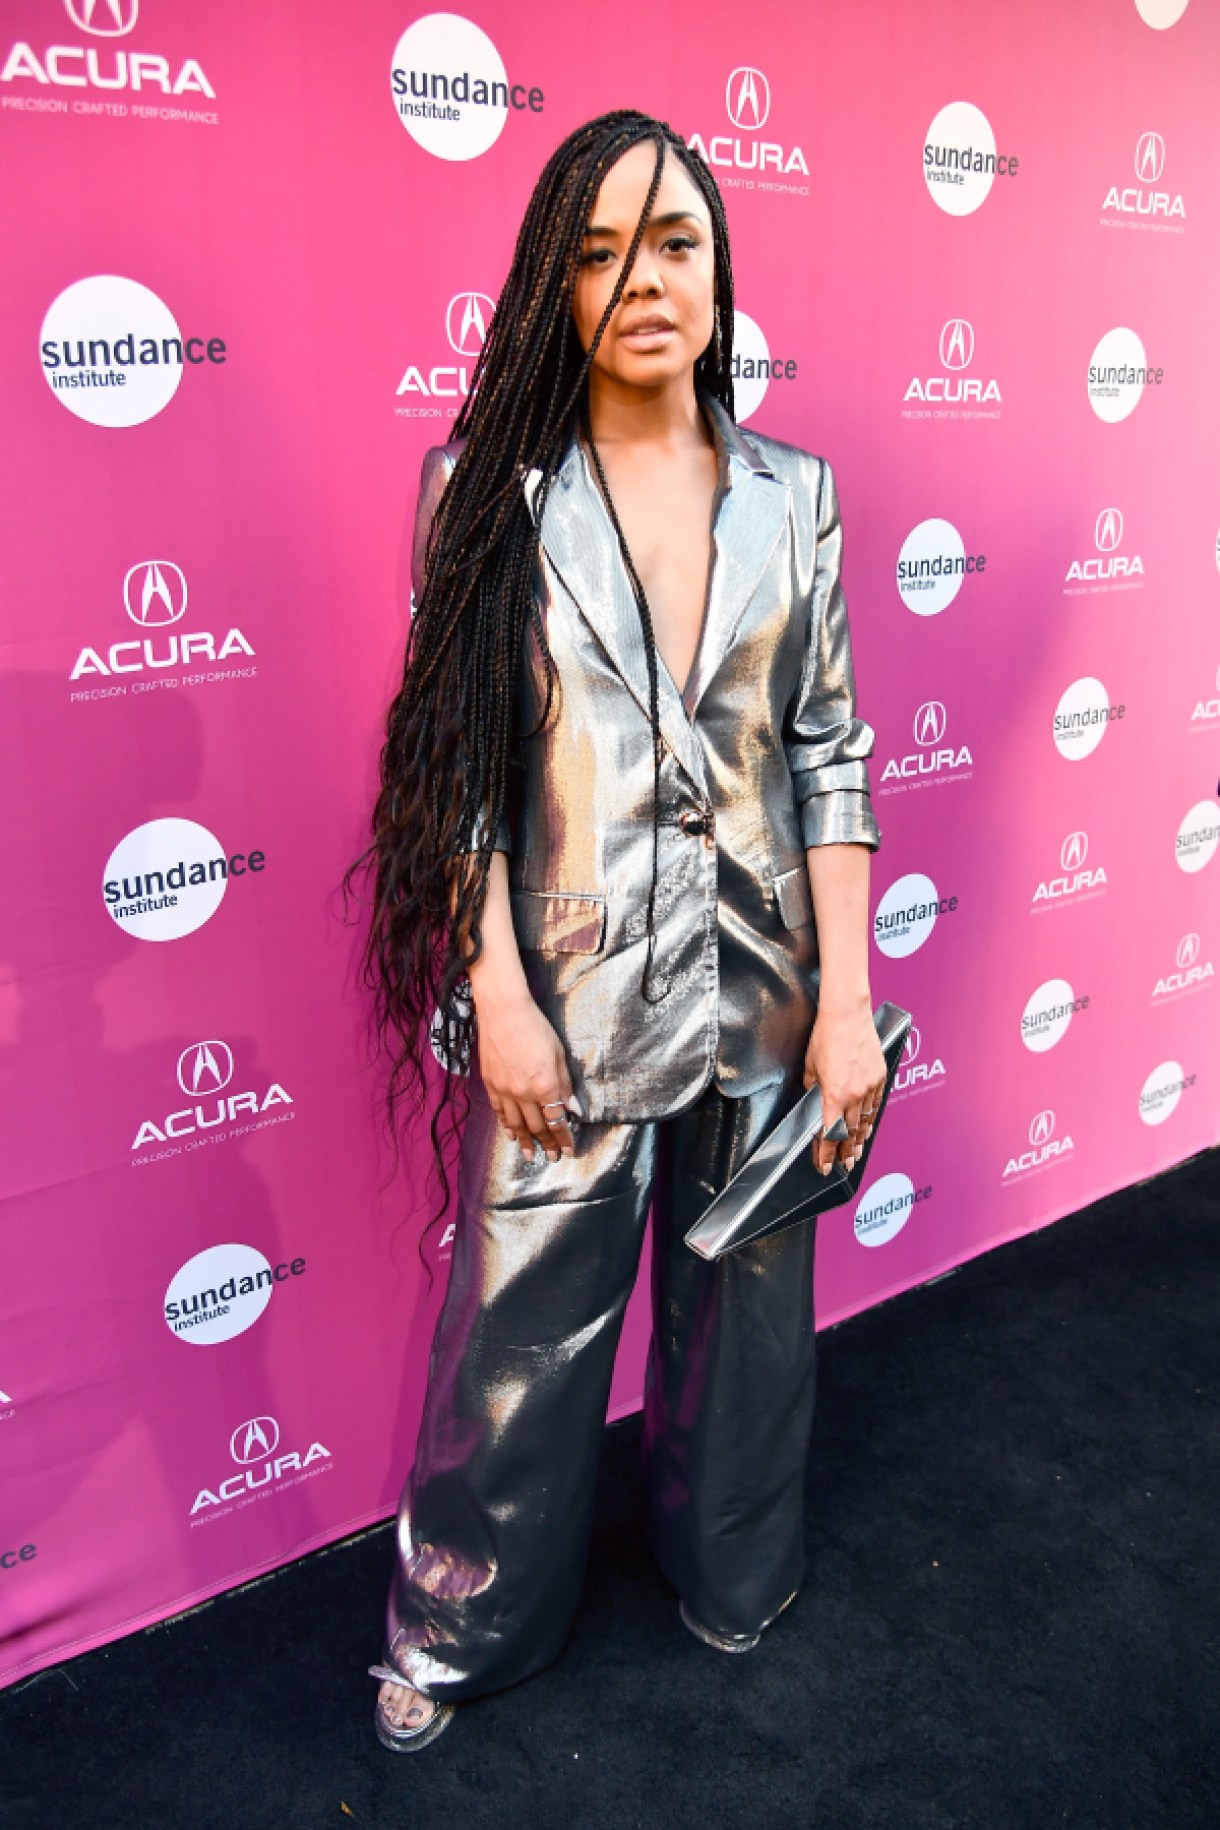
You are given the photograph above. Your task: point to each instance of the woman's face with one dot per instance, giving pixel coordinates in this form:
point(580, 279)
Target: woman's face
point(664, 320)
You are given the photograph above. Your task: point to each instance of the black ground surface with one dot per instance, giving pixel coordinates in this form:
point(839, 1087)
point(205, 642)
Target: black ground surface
point(1012, 1617)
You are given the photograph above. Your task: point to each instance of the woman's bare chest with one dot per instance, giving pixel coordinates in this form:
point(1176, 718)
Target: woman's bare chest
point(666, 520)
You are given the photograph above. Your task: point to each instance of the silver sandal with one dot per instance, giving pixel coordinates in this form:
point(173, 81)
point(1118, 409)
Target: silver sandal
point(723, 1642)
point(729, 1642)
point(406, 1740)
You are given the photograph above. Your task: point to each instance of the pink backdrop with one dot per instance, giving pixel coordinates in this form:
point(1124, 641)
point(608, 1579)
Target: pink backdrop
point(189, 1079)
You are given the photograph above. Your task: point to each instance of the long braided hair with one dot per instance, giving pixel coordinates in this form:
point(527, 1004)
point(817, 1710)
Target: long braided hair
point(449, 730)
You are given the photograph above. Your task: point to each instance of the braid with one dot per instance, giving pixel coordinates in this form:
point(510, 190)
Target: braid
point(449, 731)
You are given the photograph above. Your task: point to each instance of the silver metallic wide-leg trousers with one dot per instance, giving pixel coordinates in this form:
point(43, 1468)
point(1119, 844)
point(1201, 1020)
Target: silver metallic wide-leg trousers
point(494, 1520)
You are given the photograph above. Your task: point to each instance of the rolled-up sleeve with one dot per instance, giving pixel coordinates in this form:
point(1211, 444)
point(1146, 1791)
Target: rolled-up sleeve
point(434, 479)
point(826, 743)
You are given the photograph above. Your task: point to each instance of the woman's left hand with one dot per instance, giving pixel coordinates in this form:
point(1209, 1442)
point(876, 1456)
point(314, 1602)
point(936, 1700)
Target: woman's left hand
point(844, 1058)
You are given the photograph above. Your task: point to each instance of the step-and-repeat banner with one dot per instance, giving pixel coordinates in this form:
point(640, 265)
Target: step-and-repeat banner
point(251, 254)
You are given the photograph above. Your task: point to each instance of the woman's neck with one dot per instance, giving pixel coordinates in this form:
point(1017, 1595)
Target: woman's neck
point(667, 415)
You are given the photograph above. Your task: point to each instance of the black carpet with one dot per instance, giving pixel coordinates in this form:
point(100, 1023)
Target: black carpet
point(1012, 1616)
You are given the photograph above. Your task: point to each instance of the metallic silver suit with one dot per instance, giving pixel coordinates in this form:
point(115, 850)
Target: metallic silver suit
point(764, 756)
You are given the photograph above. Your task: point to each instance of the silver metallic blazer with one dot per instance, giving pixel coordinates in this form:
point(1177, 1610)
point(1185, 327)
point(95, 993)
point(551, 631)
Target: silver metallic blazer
point(764, 755)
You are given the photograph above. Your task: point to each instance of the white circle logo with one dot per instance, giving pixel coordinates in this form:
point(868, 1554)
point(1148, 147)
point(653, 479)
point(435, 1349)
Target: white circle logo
point(957, 344)
point(118, 16)
point(1161, 1092)
point(254, 1440)
point(1161, 14)
point(1081, 717)
point(885, 1209)
point(467, 320)
point(1149, 157)
point(1108, 530)
point(1046, 1016)
point(751, 365)
point(111, 351)
point(747, 98)
point(1074, 851)
point(930, 721)
point(959, 158)
point(165, 879)
point(218, 1294)
point(1118, 369)
point(1188, 951)
point(1042, 1127)
point(1198, 836)
point(931, 567)
point(906, 915)
point(449, 86)
point(205, 1067)
point(154, 592)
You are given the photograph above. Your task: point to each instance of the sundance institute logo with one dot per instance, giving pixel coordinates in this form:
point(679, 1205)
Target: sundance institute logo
point(222, 1291)
point(754, 367)
point(1118, 374)
point(113, 354)
point(960, 161)
point(933, 565)
point(1048, 1012)
point(1082, 717)
point(1198, 836)
point(886, 1208)
point(450, 88)
point(166, 878)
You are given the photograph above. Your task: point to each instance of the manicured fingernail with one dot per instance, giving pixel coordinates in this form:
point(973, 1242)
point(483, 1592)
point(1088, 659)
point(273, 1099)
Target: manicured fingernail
point(573, 1105)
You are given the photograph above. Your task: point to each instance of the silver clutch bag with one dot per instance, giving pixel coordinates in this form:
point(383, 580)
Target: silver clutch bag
point(778, 1184)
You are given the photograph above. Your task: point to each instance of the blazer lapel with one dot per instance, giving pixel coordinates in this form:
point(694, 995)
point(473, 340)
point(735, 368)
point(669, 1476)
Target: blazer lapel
point(751, 516)
point(582, 546)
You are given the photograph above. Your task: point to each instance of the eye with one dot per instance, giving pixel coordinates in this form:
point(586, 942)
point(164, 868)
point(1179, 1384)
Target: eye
point(597, 257)
point(681, 244)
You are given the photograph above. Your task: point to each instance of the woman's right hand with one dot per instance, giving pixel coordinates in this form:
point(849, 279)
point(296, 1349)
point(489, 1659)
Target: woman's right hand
point(524, 1070)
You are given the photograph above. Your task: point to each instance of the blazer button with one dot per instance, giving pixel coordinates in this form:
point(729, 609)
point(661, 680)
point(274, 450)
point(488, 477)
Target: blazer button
point(695, 822)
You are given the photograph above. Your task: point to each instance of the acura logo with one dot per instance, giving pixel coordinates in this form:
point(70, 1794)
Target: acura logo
point(930, 722)
point(155, 593)
point(1188, 950)
point(466, 322)
point(913, 1044)
point(1042, 1127)
point(747, 96)
point(1149, 157)
point(117, 16)
point(255, 1440)
point(1109, 530)
point(205, 1067)
point(957, 344)
point(1073, 851)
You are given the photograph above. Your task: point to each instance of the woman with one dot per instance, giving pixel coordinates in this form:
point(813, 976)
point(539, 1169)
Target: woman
point(624, 796)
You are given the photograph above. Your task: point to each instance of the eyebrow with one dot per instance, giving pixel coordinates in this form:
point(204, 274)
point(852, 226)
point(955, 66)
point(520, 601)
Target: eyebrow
point(655, 222)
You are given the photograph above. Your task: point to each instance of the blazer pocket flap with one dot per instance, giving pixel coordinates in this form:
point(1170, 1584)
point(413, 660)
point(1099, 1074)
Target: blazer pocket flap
point(794, 897)
point(557, 922)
